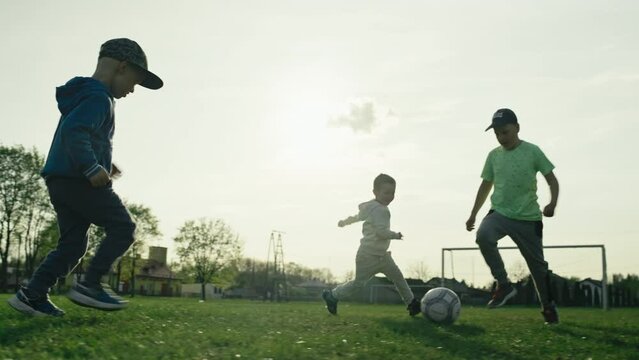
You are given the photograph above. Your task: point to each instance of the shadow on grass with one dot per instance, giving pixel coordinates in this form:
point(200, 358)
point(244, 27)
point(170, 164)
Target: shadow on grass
point(604, 335)
point(29, 327)
point(608, 329)
point(464, 340)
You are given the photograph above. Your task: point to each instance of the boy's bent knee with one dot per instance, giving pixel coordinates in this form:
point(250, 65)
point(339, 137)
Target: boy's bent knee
point(123, 232)
point(485, 239)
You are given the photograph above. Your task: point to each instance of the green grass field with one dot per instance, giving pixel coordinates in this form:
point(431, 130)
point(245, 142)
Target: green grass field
point(173, 328)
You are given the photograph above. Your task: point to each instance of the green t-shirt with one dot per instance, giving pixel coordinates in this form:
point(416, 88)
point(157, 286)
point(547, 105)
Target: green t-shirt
point(514, 176)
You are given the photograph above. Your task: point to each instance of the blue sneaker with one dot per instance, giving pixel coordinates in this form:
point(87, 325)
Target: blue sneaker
point(40, 306)
point(99, 296)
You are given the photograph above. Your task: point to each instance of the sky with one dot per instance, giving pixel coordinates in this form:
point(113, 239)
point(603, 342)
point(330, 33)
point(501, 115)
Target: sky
point(278, 115)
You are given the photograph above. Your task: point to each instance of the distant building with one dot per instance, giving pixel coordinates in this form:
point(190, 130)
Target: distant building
point(592, 290)
point(154, 277)
point(313, 285)
point(12, 278)
point(380, 290)
point(467, 295)
point(308, 290)
point(195, 290)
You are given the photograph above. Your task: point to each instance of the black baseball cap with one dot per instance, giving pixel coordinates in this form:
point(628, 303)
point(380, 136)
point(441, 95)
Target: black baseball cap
point(124, 49)
point(503, 117)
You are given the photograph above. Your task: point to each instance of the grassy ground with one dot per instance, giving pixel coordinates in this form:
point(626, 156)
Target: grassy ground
point(173, 328)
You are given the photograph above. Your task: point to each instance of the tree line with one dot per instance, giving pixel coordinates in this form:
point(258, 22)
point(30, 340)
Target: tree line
point(208, 249)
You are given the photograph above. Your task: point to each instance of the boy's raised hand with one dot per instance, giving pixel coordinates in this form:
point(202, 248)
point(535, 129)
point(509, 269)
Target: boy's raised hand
point(100, 179)
point(115, 171)
point(340, 223)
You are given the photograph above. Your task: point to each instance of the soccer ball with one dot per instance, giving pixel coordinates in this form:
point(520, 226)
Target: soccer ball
point(441, 305)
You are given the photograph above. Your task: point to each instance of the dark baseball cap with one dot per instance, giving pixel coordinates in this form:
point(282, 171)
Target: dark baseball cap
point(503, 117)
point(124, 49)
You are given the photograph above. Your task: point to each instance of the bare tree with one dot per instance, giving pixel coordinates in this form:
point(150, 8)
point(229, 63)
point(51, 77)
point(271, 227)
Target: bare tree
point(19, 182)
point(37, 248)
point(206, 247)
point(419, 270)
point(32, 231)
point(518, 271)
point(349, 275)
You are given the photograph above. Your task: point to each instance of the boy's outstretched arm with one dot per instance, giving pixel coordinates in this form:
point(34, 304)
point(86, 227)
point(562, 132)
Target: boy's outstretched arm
point(549, 210)
point(482, 194)
point(349, 220)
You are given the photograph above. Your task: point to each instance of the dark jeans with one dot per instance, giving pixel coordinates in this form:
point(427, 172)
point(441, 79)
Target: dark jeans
point(79, 205)
point(528, 235)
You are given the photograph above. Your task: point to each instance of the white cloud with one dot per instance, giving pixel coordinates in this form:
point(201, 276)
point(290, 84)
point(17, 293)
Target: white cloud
point(364, 115)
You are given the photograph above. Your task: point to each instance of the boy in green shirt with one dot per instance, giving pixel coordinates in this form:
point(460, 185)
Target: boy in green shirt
point(512, 169)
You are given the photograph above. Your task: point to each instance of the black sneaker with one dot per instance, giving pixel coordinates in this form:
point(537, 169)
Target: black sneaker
point(331, 301)
point(414, 308)
point(550, 314)
point(40, 306)
point(502, 294)
point(99, 296)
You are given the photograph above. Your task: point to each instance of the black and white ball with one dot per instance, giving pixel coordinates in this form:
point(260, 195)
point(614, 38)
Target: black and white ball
point(441, 305)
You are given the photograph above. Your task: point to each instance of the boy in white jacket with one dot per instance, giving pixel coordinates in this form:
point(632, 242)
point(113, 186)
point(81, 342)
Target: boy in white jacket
point(373, 256)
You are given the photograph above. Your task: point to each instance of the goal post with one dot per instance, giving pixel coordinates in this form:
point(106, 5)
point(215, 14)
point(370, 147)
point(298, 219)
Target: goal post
point(604, 278)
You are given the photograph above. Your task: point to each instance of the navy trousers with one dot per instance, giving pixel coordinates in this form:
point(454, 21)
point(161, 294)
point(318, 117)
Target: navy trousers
point(78, 205)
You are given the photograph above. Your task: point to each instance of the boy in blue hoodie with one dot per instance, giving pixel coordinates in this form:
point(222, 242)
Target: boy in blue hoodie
point(78, 173)
point(373, 256)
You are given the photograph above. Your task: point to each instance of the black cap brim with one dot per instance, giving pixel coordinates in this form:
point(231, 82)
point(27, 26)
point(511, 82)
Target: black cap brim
point(492, 126)
point(152, 81)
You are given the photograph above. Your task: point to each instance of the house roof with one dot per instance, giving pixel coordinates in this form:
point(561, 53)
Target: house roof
point(313, 283)
point(156, 269)
point(453, 284)
point(590, 281)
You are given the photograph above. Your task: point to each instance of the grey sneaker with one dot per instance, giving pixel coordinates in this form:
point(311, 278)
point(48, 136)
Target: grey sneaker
point(36, 306)
point(99, 296)
point(331, 301)
point(501, 295)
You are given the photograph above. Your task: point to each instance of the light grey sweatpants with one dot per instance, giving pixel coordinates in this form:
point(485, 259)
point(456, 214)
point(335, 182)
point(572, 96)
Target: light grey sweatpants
point(366, 266)
point(528, 237)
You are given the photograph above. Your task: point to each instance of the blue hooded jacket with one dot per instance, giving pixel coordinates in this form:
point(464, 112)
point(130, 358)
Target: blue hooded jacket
point(82, 143)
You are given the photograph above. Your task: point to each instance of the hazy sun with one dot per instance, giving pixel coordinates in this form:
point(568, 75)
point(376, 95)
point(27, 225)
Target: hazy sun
point(305, 102)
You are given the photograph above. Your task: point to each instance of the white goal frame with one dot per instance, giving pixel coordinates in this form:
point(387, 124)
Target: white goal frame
point(604, 278)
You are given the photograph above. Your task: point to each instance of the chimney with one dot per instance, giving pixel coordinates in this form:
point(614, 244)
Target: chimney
point(157, 253)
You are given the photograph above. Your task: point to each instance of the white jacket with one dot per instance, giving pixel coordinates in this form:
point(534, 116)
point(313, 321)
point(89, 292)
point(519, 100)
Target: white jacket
point(376, 227)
